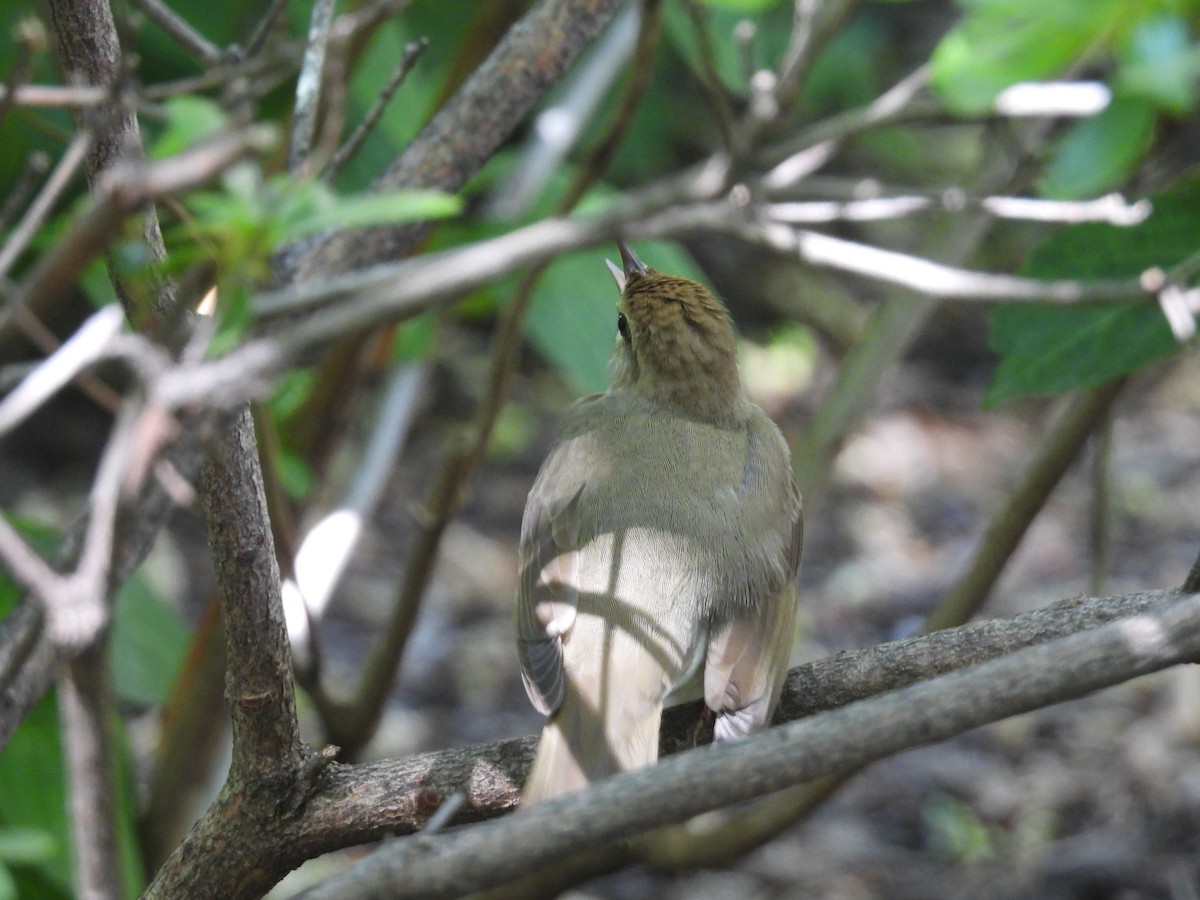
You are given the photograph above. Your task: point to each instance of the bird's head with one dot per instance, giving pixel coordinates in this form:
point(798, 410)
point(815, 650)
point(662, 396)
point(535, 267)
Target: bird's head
point(675, 341)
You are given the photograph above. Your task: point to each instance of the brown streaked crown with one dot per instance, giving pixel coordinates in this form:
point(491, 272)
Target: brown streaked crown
point(682, 342)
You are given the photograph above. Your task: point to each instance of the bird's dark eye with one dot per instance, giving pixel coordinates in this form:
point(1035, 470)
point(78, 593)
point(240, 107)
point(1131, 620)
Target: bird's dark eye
point(623, 326)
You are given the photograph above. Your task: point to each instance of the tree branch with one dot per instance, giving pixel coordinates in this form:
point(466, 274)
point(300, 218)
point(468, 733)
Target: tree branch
point(1057, 450)
point(468, 129)
point(692, 783)
point(180, 30)
point(266, 738)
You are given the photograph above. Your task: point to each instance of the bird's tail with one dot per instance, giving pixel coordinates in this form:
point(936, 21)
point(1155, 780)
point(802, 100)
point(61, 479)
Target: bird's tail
point(608, 721)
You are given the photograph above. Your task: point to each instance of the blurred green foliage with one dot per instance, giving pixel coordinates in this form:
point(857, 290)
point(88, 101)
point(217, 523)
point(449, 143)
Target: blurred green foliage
point(147, 645)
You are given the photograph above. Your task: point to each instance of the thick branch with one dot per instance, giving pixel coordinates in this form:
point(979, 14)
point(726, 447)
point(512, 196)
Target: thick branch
point(838, 741)
point(466, 132)
point(366, 802)
point(342, 805)
point(258, 683)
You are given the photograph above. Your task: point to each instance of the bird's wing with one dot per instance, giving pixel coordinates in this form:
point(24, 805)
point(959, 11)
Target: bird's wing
point(746, 663)
point(748, 654)
point(547, 595)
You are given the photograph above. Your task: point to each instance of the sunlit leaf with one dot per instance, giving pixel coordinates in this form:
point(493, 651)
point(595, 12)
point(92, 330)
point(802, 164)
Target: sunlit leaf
point(26, 846)
point(364, 210)
point(190, 119)
point(1160, 63)
point(1001, 42)
point(745, 7)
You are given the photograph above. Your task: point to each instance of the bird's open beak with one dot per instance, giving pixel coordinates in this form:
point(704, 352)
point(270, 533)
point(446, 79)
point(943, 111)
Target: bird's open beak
point(630, 265)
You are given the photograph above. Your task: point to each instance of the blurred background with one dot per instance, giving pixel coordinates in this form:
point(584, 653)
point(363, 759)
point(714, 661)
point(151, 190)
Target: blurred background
point(911, 419)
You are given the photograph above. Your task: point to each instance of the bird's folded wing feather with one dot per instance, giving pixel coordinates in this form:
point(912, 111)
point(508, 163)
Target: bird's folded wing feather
point(547, 596)
point(748, 655)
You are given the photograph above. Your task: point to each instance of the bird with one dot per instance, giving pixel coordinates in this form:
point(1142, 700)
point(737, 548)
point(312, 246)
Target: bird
point(660, 545)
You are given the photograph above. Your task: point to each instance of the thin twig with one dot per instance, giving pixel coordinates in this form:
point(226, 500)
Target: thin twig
point(35, 166)
point(715, 88)
point(35, 217)
point(23, 563)
point(1101, 513)
point(48, 343)
point(90, 343)
point(179, 30)
point(343, 155)
point(799, 49)
point(790, 160)
point(558, 126)
point(926, 276)
point(86, 715)
point(309, 85)
point(470, 127)
point(402, 290)
point(136, 531)
point(123, 190)
point(1056, 451)
point(54, 96)
point(814, 24)
point(262, 31)
point(1113, 209)
point(260, 74)
point(31, 39)
point(352, 27)
point(328, 545)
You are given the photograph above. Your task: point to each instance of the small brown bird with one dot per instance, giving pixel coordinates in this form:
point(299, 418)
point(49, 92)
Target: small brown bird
point(662, 537)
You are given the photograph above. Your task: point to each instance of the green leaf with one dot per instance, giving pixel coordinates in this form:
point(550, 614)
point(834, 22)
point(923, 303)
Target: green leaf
point(190, 119)
point(1001, 42)
point(745, 7)
point(1051, 348)
point(26, 846)
point(291, 392)
point(846, 73)
point(364, 210)
point(295, 475)
point(32, 793)
point(1096, 154)
point(415, 338)
point(149, 640)
point(1160, 63)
